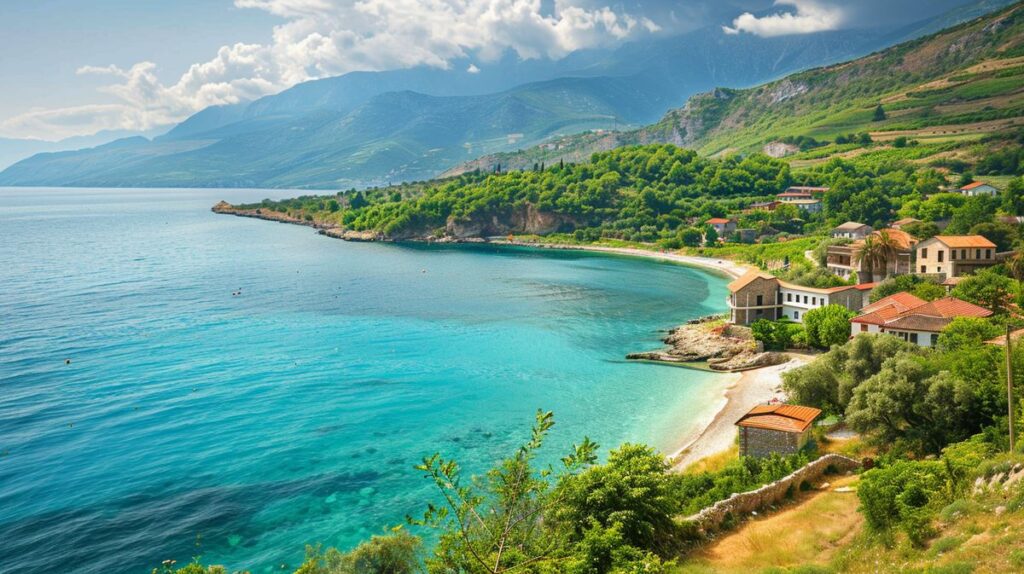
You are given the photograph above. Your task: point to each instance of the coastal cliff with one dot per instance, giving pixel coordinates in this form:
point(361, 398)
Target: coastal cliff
point(528, 220)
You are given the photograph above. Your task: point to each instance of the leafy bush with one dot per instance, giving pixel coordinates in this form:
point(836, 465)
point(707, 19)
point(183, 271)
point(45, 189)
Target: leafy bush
point(828, 325)
point(902, 496)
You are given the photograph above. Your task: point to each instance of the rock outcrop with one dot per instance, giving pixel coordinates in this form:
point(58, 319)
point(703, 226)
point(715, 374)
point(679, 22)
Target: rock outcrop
point(724, 347)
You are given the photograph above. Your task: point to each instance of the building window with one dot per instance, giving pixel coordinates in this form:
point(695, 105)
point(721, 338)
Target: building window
point(789, 297)
point(924, 269)
point(863, 328)
point(938, 270)
point(760, 300)
point(805, 299)
point(977, 253)
point(913, 338)
point(924, 253)
point(935, 339)
point(963, 254)
point(988, 254)
point(796, 315)
point(939, 255)
point(952, 254)
point(814, 300)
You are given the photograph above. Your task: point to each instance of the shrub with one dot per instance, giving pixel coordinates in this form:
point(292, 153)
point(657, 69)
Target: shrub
point(902, 496)
point(828, 325)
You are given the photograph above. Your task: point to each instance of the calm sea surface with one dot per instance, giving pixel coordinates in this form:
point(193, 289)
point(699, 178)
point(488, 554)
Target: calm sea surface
point(241, 427)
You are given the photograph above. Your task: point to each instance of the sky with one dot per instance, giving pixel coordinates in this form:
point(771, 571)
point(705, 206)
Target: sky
point(70, 67)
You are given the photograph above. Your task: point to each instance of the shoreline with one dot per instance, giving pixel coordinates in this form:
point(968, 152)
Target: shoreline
point(726, 267)
point(747, 390)
point(714, 433)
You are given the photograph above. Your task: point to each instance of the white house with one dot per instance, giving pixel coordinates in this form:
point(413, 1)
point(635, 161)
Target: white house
point(759, 295)
point(978, 188)
point(913, 319)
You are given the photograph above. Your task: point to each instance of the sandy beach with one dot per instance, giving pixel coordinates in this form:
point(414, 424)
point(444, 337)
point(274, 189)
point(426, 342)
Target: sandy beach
point(723, 266)
point(749, 389)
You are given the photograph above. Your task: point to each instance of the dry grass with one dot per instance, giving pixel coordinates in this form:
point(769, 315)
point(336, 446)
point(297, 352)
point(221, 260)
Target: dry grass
point(811, 531)
point(715, 462)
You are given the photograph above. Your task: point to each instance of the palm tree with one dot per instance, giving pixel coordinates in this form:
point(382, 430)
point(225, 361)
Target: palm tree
point(888, 247)
point(866, 256)
point(1016, 266)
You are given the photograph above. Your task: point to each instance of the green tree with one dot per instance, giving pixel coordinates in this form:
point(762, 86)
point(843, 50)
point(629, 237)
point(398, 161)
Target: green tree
point(879, 114)
point(691, 237)
point(986, 288)
point(1013, 197)
point(710, 236)
point(1002, 234)
point(395, 553)
point(967, 332)
point(632, 493)
point(499, 524)
point(828, 325)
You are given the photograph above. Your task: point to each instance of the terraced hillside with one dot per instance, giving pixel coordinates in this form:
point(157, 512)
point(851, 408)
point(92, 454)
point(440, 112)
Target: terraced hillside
point(943, 93)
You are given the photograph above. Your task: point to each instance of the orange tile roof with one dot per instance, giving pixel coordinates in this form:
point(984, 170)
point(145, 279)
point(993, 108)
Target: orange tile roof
point(719, 220)
point(786, 418)
point(899, 311)
point(902, 239)
point(903, 301)
point(952, 307)
point(748, 278)
point(973, 185)
point(865, 286)
point(964, 241)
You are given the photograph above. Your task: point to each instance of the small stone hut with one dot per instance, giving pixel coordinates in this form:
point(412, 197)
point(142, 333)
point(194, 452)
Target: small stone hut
point(777, 428)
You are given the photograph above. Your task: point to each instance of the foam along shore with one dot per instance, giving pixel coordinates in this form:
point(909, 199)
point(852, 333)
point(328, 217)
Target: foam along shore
point(722, 266)
point(748, 389)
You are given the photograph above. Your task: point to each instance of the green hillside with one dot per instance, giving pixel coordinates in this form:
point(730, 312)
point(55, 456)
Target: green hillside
point(944, 93)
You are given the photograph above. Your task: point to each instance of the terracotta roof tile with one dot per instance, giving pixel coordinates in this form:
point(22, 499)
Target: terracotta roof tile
point(963, 241)
point(901, 301)
point(787, 418)
point(899, 311)
point(953, 307)
point(748, 278)
point(973, 185)
point(718, 220)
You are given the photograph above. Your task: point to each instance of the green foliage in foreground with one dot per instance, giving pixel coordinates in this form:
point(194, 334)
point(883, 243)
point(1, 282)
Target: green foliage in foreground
point(620, 517)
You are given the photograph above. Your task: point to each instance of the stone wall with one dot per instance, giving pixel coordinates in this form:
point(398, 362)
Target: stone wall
point(742, 504)
point(768, 289)
point(763, 442)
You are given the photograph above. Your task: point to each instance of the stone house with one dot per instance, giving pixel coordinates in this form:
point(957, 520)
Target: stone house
point(841, 260)
point(954, 255)
point(976, 188)
point(759, 295)
point(852, 230)
point(722, 226)
point(913, 319)
point(775, 428)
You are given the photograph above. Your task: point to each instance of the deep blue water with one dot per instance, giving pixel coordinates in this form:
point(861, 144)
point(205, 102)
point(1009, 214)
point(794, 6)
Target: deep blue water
point(293, 412)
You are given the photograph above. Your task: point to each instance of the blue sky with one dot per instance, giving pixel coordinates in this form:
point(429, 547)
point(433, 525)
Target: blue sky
point(73, 67)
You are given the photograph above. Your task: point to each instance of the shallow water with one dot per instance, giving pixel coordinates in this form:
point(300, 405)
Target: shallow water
point(241, 427)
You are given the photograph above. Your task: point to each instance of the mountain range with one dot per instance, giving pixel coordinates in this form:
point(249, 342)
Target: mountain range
point(372, 128)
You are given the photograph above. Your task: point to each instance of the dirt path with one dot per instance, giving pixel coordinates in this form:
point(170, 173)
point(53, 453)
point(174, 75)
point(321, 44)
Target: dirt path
point(810, 531)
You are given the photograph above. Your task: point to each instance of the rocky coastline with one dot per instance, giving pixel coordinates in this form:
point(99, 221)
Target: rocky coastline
point(714, 341)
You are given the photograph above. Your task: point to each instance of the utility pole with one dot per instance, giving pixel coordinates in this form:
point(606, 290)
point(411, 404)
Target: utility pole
point(1009, 385)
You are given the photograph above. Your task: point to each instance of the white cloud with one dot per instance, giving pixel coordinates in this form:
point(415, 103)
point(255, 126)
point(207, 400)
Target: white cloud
point(810, 16)
point(320, 38)
point(472, 69)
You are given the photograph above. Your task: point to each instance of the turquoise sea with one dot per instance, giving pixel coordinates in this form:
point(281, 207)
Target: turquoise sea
point(191, 420)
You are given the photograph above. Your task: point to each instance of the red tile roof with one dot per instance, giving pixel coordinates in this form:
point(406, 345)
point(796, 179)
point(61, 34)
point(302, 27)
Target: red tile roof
point(907, 312)
point(714, 220)
point(786, 418)
point(964, 241)
point(973, 185)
